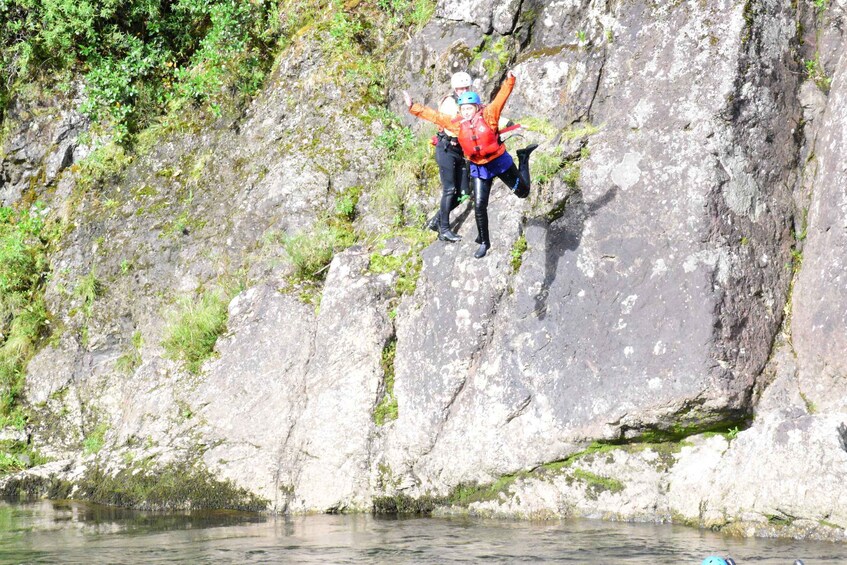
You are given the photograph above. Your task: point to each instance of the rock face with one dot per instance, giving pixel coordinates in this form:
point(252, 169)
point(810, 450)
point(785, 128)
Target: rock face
point(652, 299)
point(820, 297)
point(44, 143)
point(636, 296)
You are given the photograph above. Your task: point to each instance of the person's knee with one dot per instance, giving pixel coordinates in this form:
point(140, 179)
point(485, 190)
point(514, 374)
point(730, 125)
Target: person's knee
point(522, 190)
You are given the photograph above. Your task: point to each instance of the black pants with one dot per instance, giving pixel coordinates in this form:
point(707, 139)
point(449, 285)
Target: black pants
point(453, 170)
point(516, 178)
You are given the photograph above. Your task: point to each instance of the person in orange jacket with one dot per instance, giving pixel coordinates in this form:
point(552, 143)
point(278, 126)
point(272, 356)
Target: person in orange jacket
point(479, 137)
point(452, 166)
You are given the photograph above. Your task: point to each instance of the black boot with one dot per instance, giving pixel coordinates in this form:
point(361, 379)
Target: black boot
point(448, 235)
point(433, 222)
point(521, 189)
point(523, 154)
point(483, 249)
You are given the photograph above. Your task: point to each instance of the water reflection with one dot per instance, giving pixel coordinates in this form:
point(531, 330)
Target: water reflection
point(73, 532)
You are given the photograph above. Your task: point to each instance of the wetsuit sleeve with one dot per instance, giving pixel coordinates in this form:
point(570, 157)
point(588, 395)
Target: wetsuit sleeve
point(492, 111)
point(431, 115)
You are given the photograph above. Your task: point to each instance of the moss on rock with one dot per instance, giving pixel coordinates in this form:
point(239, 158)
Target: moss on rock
point(403, 504)
point(174, 487)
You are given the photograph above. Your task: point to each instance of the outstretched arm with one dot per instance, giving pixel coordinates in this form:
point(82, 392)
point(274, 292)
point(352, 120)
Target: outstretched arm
point(427, 114)
point(492, 111)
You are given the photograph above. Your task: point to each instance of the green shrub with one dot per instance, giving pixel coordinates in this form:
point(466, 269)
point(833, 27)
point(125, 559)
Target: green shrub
point(138, 56)
point(194, 329)
point(546, 165)
point(25, 237)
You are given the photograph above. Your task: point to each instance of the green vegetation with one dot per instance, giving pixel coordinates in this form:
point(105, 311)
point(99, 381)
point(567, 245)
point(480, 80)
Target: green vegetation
point(492, 55)
point(547, 165)
point(407, 265)
point(15, 456)
point(139, 58)
point(395, 137)
point(518, 249)
point(410, 169)
point(106, 163)
point(539, 125)
point(500, 56)
point(176, 486)
point(386, 410)
point(95, 439)
point(584, 130)
point(25, 238)
point(194, 329)
point(466, 494)
point(346, 202)
point(811, 407)
point(403, 504)
point(406, 13)
point(597, 483)
point(130, 360)
point(87, 290)
point(815, 72)
point(311, 252)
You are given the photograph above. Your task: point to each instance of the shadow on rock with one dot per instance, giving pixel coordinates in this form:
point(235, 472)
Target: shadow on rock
point(563, 232)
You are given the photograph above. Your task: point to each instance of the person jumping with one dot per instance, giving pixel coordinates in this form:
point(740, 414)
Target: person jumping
point(479, 138)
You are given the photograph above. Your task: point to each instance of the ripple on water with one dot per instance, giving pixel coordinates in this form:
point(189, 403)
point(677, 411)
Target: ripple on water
point(72, 532)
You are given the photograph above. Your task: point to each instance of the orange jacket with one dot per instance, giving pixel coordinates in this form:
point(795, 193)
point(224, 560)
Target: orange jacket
point(490, 113)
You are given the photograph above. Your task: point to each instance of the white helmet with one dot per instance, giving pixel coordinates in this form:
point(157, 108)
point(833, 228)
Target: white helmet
point(460, 80)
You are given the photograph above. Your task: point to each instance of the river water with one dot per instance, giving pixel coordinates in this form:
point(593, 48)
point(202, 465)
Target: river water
point(74, 532)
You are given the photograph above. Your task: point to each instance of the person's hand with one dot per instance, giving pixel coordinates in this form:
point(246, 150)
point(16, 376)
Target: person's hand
point(407, 99)
point(510, 74)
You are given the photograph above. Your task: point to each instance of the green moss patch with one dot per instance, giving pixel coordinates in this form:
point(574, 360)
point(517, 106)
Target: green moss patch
point(402, 504)
point(386, 410)
point(174, 487)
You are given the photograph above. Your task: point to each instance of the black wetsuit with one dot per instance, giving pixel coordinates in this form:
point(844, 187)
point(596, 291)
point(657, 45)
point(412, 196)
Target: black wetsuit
point(515, 177)
point(453, 170)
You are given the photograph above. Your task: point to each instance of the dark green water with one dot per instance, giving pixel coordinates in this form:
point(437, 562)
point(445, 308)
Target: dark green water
point(71, 532)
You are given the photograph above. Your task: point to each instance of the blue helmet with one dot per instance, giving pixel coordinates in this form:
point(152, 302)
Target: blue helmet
point(469, 98)
point(714, 560)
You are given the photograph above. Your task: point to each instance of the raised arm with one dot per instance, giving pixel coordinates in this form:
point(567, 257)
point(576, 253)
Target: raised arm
point(492, 111)
point(427, 114)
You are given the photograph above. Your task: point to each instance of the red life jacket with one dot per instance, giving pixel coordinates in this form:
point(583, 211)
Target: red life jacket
point(479, 141)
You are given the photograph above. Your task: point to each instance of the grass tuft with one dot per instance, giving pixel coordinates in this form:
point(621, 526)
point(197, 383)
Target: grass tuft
point(195, 329)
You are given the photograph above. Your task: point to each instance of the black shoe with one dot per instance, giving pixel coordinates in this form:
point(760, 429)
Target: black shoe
point(448, 235)
point(432, 224)
point(524, 153)
point(478, 239)
point(483, 249)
